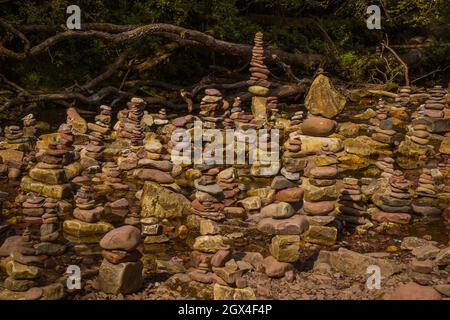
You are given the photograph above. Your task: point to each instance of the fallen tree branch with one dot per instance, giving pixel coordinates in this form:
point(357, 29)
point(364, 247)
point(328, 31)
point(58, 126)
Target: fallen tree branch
point(385, 44)
point(179, 34)
point(109, 71)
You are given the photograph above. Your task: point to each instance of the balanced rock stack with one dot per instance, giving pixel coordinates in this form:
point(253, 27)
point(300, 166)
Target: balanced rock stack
point(14, 135)
point(86, 229)
point(25, 273)
point(434, 107)
point(111, 178)
point(86, 209)
point(162, 117)
point(419, 134)
point(395, 202)
point(4, 226)
point(129, 119)
point(272, 106)
point(381, 113)
point(352, 208)
point(320, 195)
point(29, 122)
point(226, 180)
point(258, 83)
point(66, 137)
point(124, 127)
point(383, 131)
point(102, 121)
point(293, 160)
point(258, 71)
point(121, 268)
point(210, 106)
point(296, 121)
point(209, 197)
point(425, 202)
point(50, 230)
point(137, 137)
point(48, 176)
point(386, 166)
point(242, 120)
point(92, 155)
point(155, 170)
point(403, 96)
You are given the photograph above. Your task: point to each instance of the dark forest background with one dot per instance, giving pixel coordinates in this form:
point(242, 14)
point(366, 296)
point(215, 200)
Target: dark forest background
point(418, 30)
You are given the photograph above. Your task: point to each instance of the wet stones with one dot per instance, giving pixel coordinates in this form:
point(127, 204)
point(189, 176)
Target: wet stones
point(386, 166)
point(259, 74)
point(14, 135)
point(318, 126)
point(102, 121)
point(434, 107)
point(425, 203)
point(212, 108)
point(394, 203)
point(209, 197)
point(419, 134)
point(121, 268)
point(87, 227)
point(48, 176)
point(352, 207)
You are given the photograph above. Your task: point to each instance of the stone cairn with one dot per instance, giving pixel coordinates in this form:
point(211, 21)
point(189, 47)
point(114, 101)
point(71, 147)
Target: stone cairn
point(86, 229)
point(259, 73)
point(211, 106)
point(386, 166)
point(395, 202)
point(4, 226)
point(352, 208)
point(209, 197)
point(130, 121)
point(434, 107)
point(319, 203)
point(92, 155)
point(383, 129)
point(424, 203)
point(382, 112)
point(29, 130)
point(419, 134)
point(161, 117)
point(49, 172)
point(242, 120)
point(14, 135)
point(102, 121)
point(121, 268)
point(66, 137)
point(258, 82)
point(403, 97)
point(296, 121)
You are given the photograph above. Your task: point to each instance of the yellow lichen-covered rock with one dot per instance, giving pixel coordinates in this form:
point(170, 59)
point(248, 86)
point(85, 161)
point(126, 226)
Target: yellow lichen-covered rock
point(320, 235)
point(365, 146)
point(285, 248)
point(160, 202)
point(208, 244)
point(227, 293)
point(90, 232)
point(52, 191)
point(323, 99)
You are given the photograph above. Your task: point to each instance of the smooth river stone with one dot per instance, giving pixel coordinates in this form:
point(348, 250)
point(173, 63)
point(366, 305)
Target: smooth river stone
point(318, 208)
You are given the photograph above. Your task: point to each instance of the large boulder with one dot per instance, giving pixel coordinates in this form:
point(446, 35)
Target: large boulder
point(354, 263)
point(323, 99)
point(160, 202)
point(414, 291)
